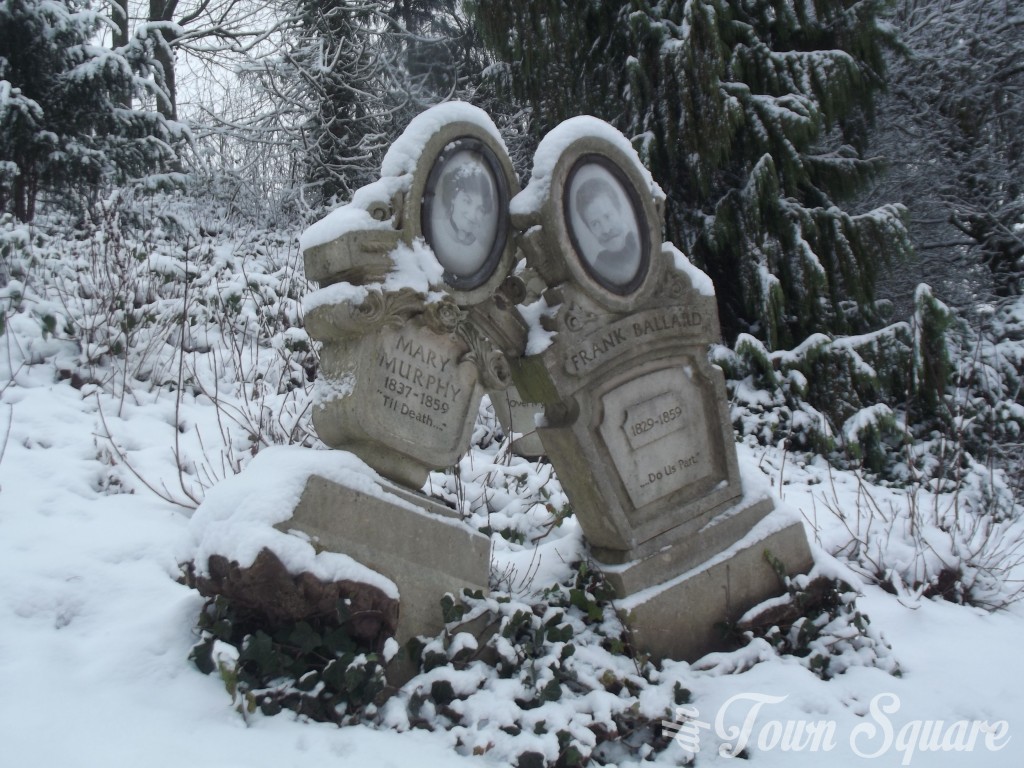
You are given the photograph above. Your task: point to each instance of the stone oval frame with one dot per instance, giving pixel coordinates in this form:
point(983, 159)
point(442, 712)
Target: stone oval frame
point(625, 242)
point(560, 258)
point(460, 145)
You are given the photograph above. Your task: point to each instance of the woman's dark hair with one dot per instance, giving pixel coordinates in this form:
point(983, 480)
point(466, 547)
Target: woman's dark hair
point(468, 178)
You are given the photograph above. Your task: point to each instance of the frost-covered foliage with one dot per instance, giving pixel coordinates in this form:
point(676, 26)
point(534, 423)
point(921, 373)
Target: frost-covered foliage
point(931, 382)
point(551, 679)
point(66, 116)
point(950, 126)
point(149, 318)
point(750, 116)
point(932, 408)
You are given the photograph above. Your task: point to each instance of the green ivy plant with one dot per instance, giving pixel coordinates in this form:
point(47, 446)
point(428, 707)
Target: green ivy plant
point(818, 622)
point(313, 668)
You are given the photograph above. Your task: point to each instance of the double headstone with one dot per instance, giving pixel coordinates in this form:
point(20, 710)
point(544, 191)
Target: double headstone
point(605, 337)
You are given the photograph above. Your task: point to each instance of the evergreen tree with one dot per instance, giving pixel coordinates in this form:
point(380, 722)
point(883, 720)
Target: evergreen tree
point(951, 124)
point(750, 115)
point(350, 76)
point(442, 54)
point(64, 126)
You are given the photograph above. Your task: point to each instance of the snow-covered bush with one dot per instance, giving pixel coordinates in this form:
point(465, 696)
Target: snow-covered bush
point(552, 679)
point(549, 680)
point(148, 303)
point(817, 621)
point(824, 396)
point(933, 406)
point(962, 544)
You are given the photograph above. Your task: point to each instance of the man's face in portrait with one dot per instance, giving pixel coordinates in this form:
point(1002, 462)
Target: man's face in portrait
point(604, 220)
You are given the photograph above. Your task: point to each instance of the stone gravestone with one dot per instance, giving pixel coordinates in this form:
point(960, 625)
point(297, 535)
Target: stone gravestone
point(636, 419)
point(415, 314)
point(518, 416)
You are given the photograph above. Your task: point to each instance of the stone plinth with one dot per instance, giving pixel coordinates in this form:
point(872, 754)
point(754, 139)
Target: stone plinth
point(676, 618)
point(419, 544)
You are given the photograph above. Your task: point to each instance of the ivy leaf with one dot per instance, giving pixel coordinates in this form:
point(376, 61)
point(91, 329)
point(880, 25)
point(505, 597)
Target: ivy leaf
point(571, 757)
point(442, 692)
point(552, 691)
point(334, 676)
point(269, 706)
point(561, 634)
point(304, 637)
point(221, 629)
point(308, 681)
point(338, 641)
point(202, 655)
point(680, 695)
point(452, 611)
point(259, 649)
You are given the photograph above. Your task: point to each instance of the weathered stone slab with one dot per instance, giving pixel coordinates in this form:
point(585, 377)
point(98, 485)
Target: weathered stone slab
point(518, 416)
point(642, 441)
point(403, 400)
point(420, 545)
point(677, 618)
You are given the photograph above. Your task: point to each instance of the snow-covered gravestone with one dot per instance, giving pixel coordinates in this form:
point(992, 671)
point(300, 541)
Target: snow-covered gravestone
point(636, 419)
point(411, 273)
point(415, 324)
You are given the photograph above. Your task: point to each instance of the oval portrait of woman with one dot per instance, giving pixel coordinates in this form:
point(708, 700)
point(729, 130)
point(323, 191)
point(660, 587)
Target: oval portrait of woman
point(604, 225)
point(465, 205)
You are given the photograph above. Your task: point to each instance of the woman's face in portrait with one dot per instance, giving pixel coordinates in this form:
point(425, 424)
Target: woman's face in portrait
point(464, 213)
point(467, 214)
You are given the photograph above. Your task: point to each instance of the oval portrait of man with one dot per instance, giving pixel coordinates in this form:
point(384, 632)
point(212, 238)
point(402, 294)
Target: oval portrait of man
point(465, 203)
point(604, 225)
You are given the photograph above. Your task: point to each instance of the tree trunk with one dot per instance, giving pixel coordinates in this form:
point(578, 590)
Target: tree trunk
point(163, 10)
point(119, 15)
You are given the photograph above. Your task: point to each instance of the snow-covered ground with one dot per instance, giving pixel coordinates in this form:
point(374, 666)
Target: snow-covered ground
point(95, 628)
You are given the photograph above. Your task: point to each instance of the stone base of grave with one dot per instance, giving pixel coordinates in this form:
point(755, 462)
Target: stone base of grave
point(421, 545)
point(679, 616)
